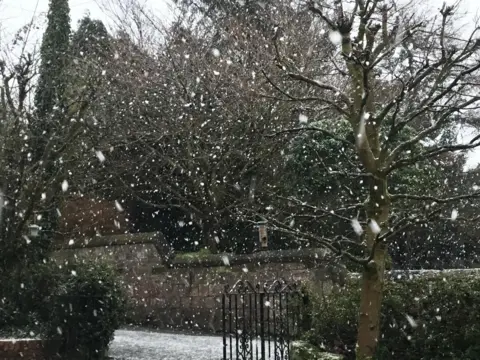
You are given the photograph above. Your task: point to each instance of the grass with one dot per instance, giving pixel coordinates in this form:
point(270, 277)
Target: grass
point(201, 254)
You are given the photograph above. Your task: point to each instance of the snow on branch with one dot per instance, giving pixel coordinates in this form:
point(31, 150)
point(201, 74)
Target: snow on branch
point(395, 197)
point(313, 129)
point(432, 152)
point(321, 85)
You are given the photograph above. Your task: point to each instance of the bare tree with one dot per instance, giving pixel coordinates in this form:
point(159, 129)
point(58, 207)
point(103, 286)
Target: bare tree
point(399, 80)
point(27, 186)
point(191, 116)
point(402, 80)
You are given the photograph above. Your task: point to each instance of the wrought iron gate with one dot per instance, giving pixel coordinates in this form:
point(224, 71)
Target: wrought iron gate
point(259, 321)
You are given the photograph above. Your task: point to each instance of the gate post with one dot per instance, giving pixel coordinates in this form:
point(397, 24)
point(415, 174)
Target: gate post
point(224, 327)
point(262, 326)
point(265, 328)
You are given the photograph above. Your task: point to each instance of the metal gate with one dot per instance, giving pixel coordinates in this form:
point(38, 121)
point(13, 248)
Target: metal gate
point(259, 321)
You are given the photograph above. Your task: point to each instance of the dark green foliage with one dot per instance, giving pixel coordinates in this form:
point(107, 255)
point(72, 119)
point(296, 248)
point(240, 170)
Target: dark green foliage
point(312, 155)
point(53, 52)
point(50, 102)
point(26, 298)
point(318, 165)
point(218, 8)
point(89, 307)
point(82, 304)
point(25, 251)
point(321, 169)
point(90, 39)
point(424, 318)
point(440, 245)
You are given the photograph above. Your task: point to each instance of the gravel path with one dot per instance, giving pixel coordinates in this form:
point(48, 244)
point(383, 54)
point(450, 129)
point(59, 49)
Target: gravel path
point(145, 345)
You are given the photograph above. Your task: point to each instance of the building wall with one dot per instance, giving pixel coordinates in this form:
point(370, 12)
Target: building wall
point(86, 217)
point(182, 297)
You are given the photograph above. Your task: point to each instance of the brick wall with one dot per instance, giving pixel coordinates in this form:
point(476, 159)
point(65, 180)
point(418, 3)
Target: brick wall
point(31, 349)
point(191, 298)
point(187, 295)
point(82, 216)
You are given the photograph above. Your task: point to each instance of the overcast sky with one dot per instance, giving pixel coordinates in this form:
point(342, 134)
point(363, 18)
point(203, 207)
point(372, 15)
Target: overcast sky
point(16, 13)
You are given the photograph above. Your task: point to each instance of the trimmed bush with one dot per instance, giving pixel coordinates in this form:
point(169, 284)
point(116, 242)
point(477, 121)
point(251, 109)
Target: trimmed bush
point(81, 305)
point(26, 300)
point(423, 318)
point(89, 307)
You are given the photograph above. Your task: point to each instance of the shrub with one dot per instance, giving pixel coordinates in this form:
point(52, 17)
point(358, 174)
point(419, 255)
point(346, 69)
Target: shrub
point(80, 304)
point(26, 302)
point(89, 307)
point(422, 318)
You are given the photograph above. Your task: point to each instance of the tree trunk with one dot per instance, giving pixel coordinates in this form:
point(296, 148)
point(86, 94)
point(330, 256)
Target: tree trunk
point(373, 274)
point(209, 236)
point(212, 243)
point(370, 306)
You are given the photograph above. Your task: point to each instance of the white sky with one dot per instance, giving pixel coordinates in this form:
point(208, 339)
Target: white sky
point(16, 13)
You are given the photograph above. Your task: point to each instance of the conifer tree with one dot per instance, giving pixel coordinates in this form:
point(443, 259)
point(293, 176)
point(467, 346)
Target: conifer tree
point(91, 38)
point(50, 99)
point(54, 49)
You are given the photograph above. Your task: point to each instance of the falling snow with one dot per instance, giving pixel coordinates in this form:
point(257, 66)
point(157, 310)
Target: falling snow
point(374, 227)
point(411, 321)
point(454, 215)
point(118, 206)
point(302, 119)
point(143, 345)
point(357, 227)
point(296, 115)
point(225, 260)
point(64, 185)
point(335, 37)
point(100, 156)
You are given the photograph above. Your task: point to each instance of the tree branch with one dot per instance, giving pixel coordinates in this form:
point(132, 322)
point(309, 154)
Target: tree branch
point(432, 153)
point(322, 86)
point(395, 197)
point(325, 242)
point(314, 129)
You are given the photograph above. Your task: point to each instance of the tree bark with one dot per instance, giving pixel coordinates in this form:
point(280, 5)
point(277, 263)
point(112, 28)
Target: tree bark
point(374, 273)
point(370, 306)
point(209, 236)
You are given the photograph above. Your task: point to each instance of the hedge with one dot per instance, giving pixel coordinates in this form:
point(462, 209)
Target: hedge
point(89, 306)
point(422, 318)
point(26, 301)
point(81, 305)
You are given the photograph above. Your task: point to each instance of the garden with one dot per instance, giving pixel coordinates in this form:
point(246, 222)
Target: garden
point(426, 317)
point(59, 311)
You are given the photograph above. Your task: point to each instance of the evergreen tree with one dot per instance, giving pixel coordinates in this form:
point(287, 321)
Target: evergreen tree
point(90, 39)
point(53, 52)
point(90, 50)
point(50, 98)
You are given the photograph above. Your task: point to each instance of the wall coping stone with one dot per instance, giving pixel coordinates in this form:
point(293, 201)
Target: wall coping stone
point(113, 240)
point(308, 257)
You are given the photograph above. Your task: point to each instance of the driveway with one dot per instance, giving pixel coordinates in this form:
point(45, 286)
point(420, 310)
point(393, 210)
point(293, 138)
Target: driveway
point(145, 345)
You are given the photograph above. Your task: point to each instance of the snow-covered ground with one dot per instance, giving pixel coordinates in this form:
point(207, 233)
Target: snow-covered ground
point(145, 345)
point(148, 345)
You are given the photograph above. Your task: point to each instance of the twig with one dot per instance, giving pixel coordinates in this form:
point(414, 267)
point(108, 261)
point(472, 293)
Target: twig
point(395, 197)
point(312, 128)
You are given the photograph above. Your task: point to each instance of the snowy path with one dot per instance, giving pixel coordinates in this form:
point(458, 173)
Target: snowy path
point(144, 345)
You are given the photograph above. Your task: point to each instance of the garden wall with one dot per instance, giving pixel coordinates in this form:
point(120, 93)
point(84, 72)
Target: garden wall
point(31, 349)
point(185, 293)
